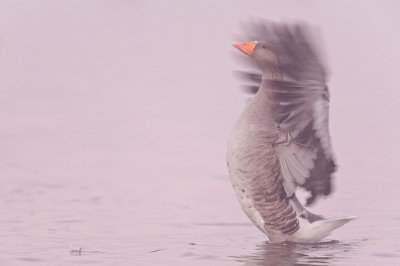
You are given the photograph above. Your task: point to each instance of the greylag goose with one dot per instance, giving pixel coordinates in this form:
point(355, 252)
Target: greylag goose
point(281, 140)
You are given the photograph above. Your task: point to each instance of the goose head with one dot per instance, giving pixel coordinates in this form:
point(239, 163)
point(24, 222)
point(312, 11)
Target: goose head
point(262, 53)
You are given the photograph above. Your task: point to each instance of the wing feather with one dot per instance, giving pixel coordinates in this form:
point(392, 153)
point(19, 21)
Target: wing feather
point(302, 106)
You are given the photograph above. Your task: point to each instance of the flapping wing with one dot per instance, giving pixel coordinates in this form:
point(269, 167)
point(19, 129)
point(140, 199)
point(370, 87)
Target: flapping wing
point(302, 107)
point(303, 148)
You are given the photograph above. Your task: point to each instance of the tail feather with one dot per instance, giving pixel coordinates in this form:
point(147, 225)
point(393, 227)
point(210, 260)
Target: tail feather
point(315, 231)
point(331, 223)
point(314, 227)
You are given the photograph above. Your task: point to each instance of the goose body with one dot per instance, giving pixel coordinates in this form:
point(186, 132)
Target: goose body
point(281, 140)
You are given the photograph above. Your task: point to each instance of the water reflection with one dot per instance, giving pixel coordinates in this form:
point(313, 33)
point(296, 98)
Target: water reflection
point(322, 253)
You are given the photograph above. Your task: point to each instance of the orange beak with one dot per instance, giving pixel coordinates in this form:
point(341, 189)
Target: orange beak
point(245, 47)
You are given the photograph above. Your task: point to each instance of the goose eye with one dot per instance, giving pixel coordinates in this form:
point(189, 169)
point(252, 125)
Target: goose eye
point(263, 46)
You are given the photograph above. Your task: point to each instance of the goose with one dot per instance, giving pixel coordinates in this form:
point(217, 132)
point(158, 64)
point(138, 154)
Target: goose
point(281, 140)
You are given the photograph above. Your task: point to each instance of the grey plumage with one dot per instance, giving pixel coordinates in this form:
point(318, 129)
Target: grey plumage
point(281, 140)
point(301, 110)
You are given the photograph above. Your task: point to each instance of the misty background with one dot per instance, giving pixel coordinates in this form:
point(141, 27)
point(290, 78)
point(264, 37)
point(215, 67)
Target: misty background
point(137, 98)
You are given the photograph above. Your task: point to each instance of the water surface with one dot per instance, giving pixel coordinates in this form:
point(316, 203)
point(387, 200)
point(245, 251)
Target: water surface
point(114, 119)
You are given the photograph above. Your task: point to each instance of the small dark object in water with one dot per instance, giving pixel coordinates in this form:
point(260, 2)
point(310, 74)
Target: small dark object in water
point(75, 251)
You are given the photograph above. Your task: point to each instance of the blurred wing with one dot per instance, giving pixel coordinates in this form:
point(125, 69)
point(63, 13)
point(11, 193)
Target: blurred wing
point(253, 80)
point(303, 148)
point(302, 107)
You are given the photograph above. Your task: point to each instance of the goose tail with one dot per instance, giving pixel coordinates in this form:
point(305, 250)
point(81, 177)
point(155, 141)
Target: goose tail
point(331, 223)
point(315, 227)
point(317, 230)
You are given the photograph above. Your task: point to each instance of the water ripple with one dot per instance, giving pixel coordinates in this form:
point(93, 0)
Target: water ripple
point(282, 254)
